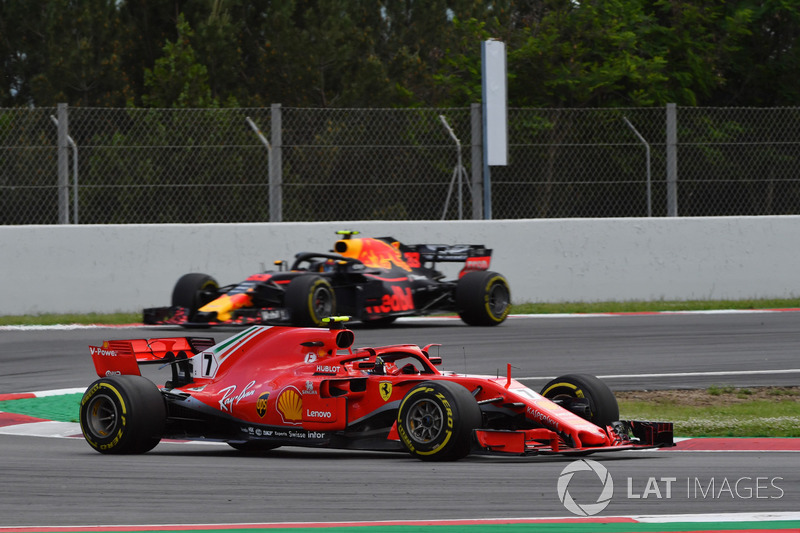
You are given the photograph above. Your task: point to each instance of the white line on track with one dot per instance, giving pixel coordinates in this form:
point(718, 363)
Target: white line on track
point(679, 374)
point(429, 318)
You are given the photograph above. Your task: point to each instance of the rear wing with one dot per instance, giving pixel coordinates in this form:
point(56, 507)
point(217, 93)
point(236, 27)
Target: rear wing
point(388, 253)
point(474, 256)
point(123, 357)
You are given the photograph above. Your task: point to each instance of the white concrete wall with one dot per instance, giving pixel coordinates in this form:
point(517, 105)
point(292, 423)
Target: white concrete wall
point(62, 269)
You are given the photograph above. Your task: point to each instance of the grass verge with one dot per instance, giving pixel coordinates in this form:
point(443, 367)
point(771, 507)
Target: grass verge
point(719, 411)
point(527, 308)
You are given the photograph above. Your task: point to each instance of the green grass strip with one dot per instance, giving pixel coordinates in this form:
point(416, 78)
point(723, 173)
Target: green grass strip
point(759, 418)
point(579, 527)
point(631, 306)
point(61, 408)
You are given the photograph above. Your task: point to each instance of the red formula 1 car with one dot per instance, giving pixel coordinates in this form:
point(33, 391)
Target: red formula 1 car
point(273, 386)
point(374, 280)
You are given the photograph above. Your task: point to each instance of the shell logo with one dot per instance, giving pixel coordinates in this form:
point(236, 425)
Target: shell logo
point(290, 405)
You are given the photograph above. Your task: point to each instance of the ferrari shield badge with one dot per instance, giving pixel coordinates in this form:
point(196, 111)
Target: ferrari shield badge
point(386, 390)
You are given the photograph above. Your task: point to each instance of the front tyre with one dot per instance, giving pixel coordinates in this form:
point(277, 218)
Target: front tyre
point(123, 415)
point(585, 395)
point(310, 299)
point(436, 420)
point(194, 290)
point(483, 298)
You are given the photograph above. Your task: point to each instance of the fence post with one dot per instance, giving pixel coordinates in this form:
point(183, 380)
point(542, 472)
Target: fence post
point(477, 161)
point(276, 166)
point(647, 162)
point(672, 161)
point(63, 164)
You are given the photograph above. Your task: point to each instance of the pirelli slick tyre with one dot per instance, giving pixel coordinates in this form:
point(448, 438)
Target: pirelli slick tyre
point(483, 298)
point(194, 290)
point(586, 395)
point(123, 415)
point(436, 420)
point(310, 299)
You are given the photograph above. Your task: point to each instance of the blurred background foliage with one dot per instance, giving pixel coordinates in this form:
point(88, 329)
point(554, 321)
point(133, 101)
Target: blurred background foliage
point(401, 53)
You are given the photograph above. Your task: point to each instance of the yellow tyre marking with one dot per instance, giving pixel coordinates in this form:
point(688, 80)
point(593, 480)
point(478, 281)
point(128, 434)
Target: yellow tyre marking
point(124, 410)
point(489, 312)
point(578, 392)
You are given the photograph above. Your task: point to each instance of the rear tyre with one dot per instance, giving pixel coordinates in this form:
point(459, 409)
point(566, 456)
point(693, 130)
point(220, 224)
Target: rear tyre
point(194, 291)
point(123, 415)
point(436, 420)
point(310, 299)
point(483, 298)
point(585, 395)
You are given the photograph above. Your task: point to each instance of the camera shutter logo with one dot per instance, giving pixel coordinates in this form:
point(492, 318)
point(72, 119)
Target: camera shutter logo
point(587, 509)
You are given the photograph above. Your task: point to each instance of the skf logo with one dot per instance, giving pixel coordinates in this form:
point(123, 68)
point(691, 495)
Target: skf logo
point(261, 404)
point(290, 405)
point(385, 388)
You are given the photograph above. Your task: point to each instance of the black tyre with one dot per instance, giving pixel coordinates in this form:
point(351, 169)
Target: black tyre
point(436, 420)
point(123, 414)
point(310, 299)
point(585, 395)
point(194, 291)
point(483, 298)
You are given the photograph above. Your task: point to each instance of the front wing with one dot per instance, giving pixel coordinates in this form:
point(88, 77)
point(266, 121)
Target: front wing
point(628, 435)
point(180, 316)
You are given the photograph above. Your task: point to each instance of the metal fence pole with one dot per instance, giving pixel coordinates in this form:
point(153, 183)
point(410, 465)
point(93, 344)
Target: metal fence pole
point(74, 146)
point(672, 161)
point(647, 155)
point(276, 166)
point(458, 174)
point(63, 165)
point(477, 161)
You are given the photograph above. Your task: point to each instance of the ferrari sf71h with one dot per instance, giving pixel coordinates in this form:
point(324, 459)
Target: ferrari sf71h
point(272, 386)
point(373, 280)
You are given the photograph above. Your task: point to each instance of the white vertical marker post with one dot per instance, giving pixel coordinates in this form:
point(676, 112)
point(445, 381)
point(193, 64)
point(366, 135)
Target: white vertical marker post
point(495, 115)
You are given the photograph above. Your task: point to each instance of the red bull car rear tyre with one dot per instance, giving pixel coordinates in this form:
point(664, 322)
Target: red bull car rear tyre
point(483, 298)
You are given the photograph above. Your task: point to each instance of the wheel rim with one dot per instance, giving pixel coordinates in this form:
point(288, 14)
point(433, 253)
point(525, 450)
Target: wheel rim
point(425, 420)
point(498, 299)
point(102, 416)
point(322, 302)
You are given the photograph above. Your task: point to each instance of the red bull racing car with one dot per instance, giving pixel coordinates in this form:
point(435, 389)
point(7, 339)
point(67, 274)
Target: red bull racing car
point(373, 280)
point(272, 386)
